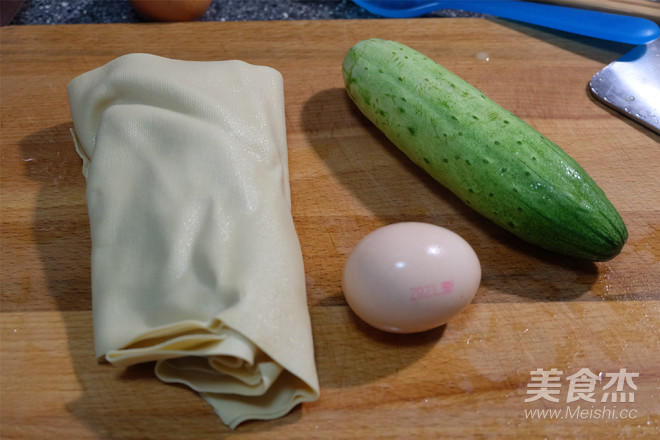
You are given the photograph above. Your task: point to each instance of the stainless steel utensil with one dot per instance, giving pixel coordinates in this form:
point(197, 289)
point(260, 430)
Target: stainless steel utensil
point(631, 85)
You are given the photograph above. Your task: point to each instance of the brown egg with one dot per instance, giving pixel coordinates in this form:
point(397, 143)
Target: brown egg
point(171, 10)
point(410, 277)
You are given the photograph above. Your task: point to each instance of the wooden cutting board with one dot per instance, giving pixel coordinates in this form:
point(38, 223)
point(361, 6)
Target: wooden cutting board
point(469, 379)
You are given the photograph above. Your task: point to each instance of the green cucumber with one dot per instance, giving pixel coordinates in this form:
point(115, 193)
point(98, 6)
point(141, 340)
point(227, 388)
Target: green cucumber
point(492, 160)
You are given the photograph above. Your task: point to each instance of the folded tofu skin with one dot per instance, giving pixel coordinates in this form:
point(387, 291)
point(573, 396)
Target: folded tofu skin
point(195, 259)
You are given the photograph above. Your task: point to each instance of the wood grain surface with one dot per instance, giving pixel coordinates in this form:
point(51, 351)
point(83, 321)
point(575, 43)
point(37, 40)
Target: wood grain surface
point(468, 379)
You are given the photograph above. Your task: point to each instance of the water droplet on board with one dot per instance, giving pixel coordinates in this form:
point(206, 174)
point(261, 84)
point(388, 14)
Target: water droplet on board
point(482, 56)
point(630, 98)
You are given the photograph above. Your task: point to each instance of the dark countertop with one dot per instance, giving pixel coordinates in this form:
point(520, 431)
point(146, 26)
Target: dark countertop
point(121, 11)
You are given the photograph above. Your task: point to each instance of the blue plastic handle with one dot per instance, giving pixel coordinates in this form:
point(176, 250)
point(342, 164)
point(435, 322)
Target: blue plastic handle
point(602, 25)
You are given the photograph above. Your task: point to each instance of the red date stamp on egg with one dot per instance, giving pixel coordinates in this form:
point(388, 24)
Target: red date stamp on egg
point(431, 290)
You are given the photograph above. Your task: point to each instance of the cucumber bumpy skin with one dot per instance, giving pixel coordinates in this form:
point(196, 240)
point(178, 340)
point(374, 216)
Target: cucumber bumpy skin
point(495, 162)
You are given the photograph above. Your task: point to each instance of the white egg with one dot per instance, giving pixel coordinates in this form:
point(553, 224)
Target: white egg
point(410, 277)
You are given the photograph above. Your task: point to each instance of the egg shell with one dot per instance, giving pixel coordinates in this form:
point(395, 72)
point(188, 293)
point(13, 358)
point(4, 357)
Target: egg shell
point(410, 277)
point(171, 10)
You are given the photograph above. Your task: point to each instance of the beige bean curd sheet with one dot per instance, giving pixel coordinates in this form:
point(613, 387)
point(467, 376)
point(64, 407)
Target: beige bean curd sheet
point(195, 259)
